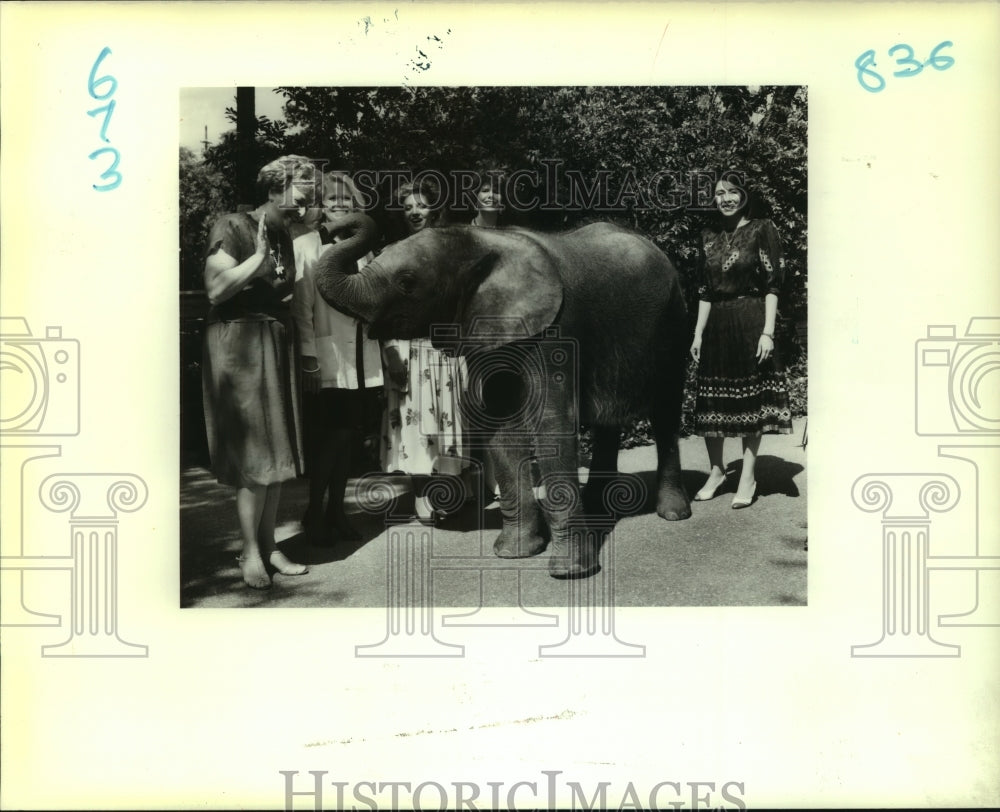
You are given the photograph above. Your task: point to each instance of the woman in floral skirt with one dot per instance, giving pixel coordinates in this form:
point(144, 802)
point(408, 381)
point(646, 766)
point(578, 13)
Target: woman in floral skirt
point(422, 432)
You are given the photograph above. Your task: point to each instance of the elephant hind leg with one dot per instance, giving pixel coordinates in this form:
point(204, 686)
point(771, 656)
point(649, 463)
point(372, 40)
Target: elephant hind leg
point(672, 501)
point(603, 467)
point(605, 448)
point(573, 549)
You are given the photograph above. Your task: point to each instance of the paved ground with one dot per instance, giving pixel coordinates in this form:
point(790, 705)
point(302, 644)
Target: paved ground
point(718, 557)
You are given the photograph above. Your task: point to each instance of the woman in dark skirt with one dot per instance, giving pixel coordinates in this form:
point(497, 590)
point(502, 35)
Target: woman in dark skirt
point(741, 386)
point(250, 370)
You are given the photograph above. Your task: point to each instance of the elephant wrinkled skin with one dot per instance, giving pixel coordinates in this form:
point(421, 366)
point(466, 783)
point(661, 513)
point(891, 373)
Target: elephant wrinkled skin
point(584, 327)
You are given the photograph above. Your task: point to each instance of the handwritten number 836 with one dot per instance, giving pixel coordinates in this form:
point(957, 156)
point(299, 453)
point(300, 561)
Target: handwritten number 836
point(872, 80)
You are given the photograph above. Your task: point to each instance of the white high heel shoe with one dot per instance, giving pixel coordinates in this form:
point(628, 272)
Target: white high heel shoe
point(744, 503)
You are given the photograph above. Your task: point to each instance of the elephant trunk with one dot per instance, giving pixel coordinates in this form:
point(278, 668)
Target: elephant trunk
point(342, 286)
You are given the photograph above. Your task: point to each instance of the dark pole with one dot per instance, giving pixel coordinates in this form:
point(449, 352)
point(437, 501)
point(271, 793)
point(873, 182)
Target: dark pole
point(246, 148)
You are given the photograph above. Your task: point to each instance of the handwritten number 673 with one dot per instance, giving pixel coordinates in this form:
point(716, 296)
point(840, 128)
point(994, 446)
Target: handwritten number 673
point(872, 81)
point(111, 174)
point(94, 82)
point(103, 88)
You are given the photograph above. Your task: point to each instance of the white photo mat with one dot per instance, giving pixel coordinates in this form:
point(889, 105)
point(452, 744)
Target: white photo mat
point(902, 236)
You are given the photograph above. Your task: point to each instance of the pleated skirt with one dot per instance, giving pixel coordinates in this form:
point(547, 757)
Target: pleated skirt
point(737, 396)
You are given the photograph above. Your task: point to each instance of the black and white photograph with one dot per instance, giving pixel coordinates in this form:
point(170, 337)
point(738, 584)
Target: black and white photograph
point(478, 299)
point(488, 405)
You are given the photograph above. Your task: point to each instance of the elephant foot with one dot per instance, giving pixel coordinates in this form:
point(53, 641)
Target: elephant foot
point(512, 544)
point(573, 560)
point(672, 503)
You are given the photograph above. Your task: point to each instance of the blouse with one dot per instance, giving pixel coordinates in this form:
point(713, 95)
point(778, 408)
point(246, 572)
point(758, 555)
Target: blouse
point(347, 358)
point(744, 262)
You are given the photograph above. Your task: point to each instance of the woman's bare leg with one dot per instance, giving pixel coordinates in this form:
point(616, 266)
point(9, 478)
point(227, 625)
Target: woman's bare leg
point(717, 469)
point(265, 535)
point(250, 508)
point(748, 481)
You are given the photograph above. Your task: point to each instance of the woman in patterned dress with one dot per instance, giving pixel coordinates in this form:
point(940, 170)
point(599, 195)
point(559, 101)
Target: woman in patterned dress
point(741, 387)
point(250, 372)
point(422, 431)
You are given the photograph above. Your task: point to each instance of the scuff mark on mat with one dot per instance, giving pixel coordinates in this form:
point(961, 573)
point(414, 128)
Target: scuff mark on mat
point(566, 714)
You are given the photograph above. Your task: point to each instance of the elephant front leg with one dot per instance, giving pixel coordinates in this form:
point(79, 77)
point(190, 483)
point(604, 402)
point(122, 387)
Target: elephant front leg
point(524, 531)
point(573, 549)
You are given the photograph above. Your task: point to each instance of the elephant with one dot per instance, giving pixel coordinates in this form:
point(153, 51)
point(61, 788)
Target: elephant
point(584, 327)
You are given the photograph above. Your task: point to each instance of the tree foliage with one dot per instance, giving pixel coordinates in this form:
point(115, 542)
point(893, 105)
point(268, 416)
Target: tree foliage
point(205, 193)
point(620, 136)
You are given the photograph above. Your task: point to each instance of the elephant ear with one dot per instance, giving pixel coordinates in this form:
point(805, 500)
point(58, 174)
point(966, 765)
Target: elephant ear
point(508, 296)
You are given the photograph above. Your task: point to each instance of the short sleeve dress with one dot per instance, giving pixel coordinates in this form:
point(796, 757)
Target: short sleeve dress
point(250, 379)
point(736, 395)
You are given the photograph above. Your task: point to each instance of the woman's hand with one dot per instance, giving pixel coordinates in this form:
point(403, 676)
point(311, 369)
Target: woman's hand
point(262, 247)
point(696, 348)
point(765, 348)
point(310, 374)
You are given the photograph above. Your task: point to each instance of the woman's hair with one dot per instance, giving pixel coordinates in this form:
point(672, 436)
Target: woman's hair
point(281, 173)
point(430, 191)
point(333, 179)
point(753, 205)
point(493, 178)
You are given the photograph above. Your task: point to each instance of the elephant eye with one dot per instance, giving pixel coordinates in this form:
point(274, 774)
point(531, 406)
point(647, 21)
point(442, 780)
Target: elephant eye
point(407, 282)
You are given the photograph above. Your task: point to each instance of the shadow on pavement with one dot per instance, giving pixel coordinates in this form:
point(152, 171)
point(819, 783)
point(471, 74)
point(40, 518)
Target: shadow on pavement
point(717, 557)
